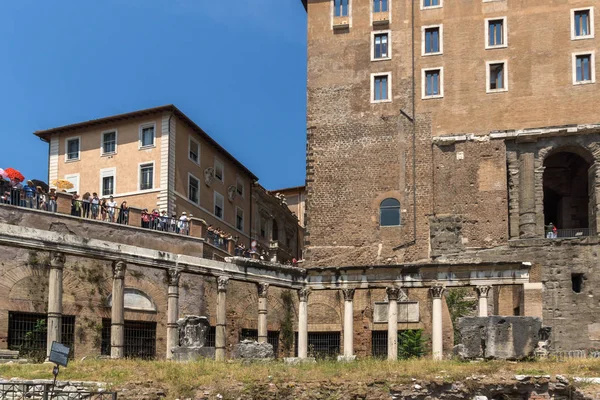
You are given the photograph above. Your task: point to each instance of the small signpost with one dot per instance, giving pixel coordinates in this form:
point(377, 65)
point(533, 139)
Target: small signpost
point(59, 355)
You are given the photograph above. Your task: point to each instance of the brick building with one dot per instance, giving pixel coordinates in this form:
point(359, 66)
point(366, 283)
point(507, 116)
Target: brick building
point(457, 132)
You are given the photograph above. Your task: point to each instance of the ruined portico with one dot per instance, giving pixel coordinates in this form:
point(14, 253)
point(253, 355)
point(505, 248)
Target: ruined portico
point(349, 282)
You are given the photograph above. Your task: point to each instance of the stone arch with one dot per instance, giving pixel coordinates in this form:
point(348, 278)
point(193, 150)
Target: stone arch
point(325, 308)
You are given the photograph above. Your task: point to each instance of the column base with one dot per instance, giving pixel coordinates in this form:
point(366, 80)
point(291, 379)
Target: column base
point(346, 358)
point(298, 360)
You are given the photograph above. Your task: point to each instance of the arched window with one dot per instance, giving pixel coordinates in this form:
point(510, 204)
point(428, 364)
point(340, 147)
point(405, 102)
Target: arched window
point(389, 212)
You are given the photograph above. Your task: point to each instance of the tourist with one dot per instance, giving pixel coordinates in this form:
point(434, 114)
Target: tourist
point(112, 205)
point(173, 223)
point(103, 210)
point(164, 221)
point(123, 214)
point(75, 205)
point(554, 232)
point(42, 199)
point(52, 200)
point(155, 220)
point(86, 204)
point(95, 205)
point(145, 219)
point(29, 191)
point(183, 224)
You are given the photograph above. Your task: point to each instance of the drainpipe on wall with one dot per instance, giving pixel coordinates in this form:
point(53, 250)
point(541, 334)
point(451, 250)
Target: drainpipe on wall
point(412, 118)
point(169, 210)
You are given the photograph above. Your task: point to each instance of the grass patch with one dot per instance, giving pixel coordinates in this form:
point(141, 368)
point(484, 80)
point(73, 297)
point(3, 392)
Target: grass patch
point(183, 380)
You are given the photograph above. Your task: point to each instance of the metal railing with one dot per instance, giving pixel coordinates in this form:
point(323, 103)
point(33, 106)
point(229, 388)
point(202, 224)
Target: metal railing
point(379, 345)
point(140, 339)
point(321, 345)
point(569, 233)
point(46, 391)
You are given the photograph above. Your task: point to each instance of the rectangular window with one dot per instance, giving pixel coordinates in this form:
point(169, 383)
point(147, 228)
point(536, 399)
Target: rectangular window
point(109, 142)
point(194, 151)
point(497, 77)
point(582, 24)
point(219, 205)
point(240, 186)
point(380, 5)
point(341, 8)
point(381, 46)
point(193, 189)
point(146, 176)
point(108, 181)
point(108, 185)
point(431, 3)
point(380, 88)
point(239, 218)
point(146, 135)
point(72, 149)
point(583, 68)
point(433, 83)
point(263, 228)
point(432, 40)
point(27, 332)
point(140, 339)
point(219, 170)
point(495, 32)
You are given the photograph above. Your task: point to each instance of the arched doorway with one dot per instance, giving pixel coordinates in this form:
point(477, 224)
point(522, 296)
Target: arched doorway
point(566, 193)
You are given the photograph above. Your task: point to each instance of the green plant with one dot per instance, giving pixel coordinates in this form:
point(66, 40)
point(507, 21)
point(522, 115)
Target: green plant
point(459, 305)
point(29, 348)
point(287, 323)
point(411, 344)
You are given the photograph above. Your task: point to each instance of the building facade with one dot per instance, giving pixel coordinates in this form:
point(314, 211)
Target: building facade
point(459, 131)
point(155, 158)
point(295, 199)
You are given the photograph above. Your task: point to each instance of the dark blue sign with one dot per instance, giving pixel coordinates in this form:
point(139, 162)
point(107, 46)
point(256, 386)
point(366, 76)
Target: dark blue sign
point(59, 354)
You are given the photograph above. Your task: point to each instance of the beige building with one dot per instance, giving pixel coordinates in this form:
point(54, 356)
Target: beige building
point(295, 199)
point(155, 158)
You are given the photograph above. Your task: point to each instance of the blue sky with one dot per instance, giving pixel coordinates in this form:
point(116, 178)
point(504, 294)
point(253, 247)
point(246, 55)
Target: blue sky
point(236, 67)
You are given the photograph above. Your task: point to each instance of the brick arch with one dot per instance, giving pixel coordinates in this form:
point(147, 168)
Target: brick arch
point(324, 308)
point(248, 309)
point(157, 294)
point(588, 153)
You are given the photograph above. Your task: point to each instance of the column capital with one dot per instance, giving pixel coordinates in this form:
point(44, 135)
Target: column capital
point(482, 291)
point(174, 274)
point(57, 259)
point(437, 291)
point(303, 294)
point(263, 290)
point(119, 268)
point(348, 294)
point(392, 293)
point(222, 282)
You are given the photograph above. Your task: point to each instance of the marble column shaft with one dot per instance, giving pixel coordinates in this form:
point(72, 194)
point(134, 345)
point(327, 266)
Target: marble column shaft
point(117, 328)
point(263, 290)
point(437, 344)
point(392, 350)
point(55, 295)
point(172, 311)
point(303, 322)
point(482, 292)
point(221, 333)
point(348, 322)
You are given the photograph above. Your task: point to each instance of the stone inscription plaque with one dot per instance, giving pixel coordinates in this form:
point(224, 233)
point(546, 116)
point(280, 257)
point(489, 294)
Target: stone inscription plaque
point(408, 311)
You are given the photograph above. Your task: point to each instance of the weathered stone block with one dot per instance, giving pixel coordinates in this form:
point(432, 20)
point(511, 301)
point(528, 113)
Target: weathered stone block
point(498, 337)
point(250, 349)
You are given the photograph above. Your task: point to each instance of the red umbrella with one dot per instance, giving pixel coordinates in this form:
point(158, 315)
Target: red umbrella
point(14, 175)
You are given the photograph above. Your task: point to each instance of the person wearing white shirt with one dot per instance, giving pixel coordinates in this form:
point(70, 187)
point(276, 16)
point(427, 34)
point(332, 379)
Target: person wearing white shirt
point(112, 204)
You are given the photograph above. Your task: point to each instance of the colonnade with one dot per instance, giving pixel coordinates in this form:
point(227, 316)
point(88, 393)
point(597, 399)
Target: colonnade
point(57, 261)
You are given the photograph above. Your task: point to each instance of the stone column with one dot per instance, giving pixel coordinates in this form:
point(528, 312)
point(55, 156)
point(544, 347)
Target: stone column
point(482, 292)
point(437, 346)
point(263, 289)
point(348, 323)
point(527, 221)
point(221, 333)
point(392, 294)
point(303, 322)
point(117, 327)
point(172, 311)
point(55, 292)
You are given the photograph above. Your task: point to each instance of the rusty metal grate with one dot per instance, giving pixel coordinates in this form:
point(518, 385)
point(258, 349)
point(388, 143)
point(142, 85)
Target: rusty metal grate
point(321, 344)
point(27, 333)
point(140, 339)
point(379, 344)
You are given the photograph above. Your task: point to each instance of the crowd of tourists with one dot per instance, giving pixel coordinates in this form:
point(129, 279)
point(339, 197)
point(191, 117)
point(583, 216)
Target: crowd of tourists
point(161, 221)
